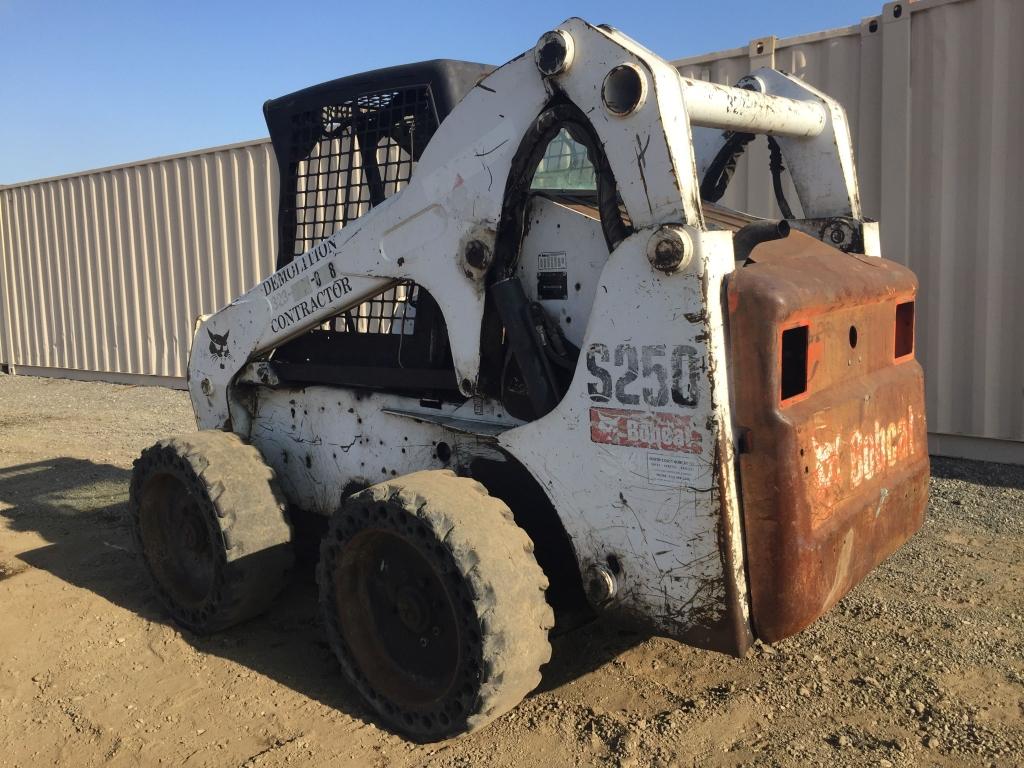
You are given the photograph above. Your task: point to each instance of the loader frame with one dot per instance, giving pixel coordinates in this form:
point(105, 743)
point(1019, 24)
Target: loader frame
point(637, 455)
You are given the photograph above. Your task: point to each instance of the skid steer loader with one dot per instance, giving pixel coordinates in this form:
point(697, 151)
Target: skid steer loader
point(525, 363)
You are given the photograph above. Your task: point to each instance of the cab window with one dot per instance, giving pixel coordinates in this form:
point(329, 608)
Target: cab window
point(565, 167)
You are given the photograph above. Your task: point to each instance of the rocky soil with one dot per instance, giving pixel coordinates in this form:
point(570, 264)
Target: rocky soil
point(922, 664)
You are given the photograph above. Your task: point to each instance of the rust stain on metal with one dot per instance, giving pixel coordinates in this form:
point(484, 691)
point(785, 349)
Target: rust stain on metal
point(836, 477)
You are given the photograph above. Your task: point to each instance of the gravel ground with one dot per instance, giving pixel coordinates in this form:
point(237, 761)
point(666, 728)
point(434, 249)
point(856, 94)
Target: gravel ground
point(922, 664)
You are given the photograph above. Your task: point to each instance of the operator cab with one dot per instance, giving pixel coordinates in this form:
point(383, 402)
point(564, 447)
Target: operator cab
point(345, 146)
point(564, 248)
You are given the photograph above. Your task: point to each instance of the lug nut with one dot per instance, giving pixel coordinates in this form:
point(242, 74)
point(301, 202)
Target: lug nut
point(670, 249)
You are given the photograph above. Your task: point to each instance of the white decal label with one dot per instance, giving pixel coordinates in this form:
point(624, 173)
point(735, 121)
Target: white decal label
point(672, 469)
point(551, 262)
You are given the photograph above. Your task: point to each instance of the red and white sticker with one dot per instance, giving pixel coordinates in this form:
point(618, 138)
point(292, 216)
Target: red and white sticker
point(645, 429)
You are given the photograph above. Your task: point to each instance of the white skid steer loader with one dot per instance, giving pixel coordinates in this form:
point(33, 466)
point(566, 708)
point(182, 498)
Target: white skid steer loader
point(525, 365)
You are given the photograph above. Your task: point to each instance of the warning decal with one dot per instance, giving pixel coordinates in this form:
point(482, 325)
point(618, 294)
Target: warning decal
point(552, 278)
point(551, 262)
point(645, 429)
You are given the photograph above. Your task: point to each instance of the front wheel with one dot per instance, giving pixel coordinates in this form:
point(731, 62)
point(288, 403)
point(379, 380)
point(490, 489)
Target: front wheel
point(209, 522)
point(434, 603)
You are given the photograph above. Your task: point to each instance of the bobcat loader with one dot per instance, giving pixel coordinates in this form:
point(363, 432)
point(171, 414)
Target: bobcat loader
point(525, 365)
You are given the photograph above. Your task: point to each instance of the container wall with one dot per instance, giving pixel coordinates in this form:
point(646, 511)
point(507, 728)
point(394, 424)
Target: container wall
point(935, 108)
point(107, 271)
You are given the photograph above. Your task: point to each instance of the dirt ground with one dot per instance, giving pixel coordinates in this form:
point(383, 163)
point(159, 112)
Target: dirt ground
point(923, 664)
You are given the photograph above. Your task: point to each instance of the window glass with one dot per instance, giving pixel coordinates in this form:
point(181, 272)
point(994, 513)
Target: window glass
point(565, 166)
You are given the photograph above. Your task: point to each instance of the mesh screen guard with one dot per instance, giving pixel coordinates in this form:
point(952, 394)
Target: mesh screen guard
point(347, 158)
point(343, 147)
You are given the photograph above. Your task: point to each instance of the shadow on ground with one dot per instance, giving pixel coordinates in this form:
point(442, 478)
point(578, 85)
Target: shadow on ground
point(980, 472)
point(81, 508)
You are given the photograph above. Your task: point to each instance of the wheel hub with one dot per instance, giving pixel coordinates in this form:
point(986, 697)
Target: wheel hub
point(177, 540)
point(397, 617)
point(410, 604)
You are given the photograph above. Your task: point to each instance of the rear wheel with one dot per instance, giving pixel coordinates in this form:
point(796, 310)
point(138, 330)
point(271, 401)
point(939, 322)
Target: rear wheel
point(434, 603)
point(209, 523)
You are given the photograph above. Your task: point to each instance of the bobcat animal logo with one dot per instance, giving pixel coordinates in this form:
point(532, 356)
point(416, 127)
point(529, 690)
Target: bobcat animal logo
point(608, 425)
point(219, 345)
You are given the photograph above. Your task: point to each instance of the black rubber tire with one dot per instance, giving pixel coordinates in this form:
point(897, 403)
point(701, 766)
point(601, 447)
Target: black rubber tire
point(217, 489)
point(494, 590)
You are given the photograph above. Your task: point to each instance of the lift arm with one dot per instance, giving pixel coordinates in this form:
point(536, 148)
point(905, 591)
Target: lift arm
point(440, 230)
point(810, 127)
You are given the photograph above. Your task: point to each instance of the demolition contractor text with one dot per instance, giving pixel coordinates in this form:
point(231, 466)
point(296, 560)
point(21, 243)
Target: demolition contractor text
point(303, 309)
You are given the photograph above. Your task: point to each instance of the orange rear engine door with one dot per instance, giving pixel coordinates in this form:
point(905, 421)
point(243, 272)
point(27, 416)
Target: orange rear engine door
point(829, 399)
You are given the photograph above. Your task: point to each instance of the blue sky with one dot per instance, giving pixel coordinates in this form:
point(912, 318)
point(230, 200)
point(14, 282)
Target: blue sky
point(89, 83)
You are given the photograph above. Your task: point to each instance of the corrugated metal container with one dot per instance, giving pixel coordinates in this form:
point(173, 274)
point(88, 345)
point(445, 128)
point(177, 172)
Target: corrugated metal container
point(102, 273)
point(105, 272)
point(935, 108)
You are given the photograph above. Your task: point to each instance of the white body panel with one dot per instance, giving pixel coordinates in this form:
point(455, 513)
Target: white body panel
point(321, 439)
point(637, 472)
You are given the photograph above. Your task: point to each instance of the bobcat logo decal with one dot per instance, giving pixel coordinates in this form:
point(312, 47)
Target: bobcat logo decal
point(219, 345)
